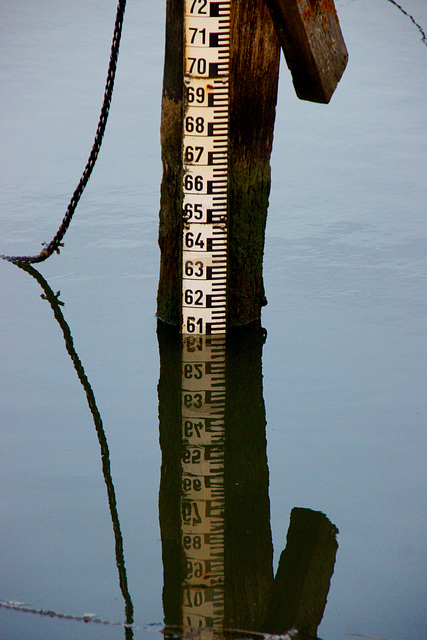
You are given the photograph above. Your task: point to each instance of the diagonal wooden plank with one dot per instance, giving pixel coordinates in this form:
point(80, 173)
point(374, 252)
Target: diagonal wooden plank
point(314, 47)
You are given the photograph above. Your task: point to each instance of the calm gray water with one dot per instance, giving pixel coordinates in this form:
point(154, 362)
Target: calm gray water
point(343, 365)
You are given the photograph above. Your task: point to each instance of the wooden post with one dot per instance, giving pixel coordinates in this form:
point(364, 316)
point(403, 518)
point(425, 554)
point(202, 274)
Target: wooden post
point(308, 31)
point(254, 73)
point(254, 66)
point(170, 216)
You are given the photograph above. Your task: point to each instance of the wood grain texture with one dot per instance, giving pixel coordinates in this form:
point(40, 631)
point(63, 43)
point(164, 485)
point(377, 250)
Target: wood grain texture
point(314, 47)
point(254, 73)
point(254, 67)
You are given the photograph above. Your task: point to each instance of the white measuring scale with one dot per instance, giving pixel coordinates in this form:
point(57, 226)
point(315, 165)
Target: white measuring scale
point(205, 175)
point(204, 293)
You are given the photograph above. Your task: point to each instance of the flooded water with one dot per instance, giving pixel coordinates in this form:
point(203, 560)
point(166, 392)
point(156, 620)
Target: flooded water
point(325, 408)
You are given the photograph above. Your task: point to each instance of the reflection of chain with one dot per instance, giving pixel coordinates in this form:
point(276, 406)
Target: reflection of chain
point(202, 494)
point(57, 240)
point(205, 172)
point(55, 304)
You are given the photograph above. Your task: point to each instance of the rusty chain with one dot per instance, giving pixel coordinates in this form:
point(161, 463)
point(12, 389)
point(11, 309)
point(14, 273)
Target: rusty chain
point(57, 240)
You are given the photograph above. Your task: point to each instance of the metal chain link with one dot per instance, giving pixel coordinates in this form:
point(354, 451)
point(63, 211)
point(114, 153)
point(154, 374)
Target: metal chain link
point(57, 240)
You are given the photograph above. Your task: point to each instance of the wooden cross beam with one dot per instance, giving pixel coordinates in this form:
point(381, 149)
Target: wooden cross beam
point(314, 48)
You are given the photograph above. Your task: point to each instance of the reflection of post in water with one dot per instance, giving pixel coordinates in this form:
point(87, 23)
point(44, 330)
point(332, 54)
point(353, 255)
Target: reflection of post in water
point(249, 547)
point(105, 454)
point(191, 396)
point(217, 559)
point(214, 505)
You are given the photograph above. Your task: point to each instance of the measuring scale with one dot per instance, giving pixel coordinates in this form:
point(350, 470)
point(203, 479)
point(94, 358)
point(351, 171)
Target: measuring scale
point(205, 166)
point(204, 293)
point(202, 491)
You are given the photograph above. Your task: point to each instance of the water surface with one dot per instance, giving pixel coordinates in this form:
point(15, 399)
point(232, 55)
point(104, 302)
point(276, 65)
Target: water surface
point(343, 365)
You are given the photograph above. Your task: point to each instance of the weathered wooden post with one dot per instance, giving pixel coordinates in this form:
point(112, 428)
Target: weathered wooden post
point(218, 110)
point(253, 76)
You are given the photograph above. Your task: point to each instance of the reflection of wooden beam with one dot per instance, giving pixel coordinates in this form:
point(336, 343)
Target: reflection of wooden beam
point(312, 42)
point(304, 574)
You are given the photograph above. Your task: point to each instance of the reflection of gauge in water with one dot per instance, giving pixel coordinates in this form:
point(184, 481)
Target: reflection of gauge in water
point(202, 492)
point(205, 172)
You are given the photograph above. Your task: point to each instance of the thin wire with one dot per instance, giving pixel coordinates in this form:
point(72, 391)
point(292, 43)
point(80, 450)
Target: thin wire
point(419, 27)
